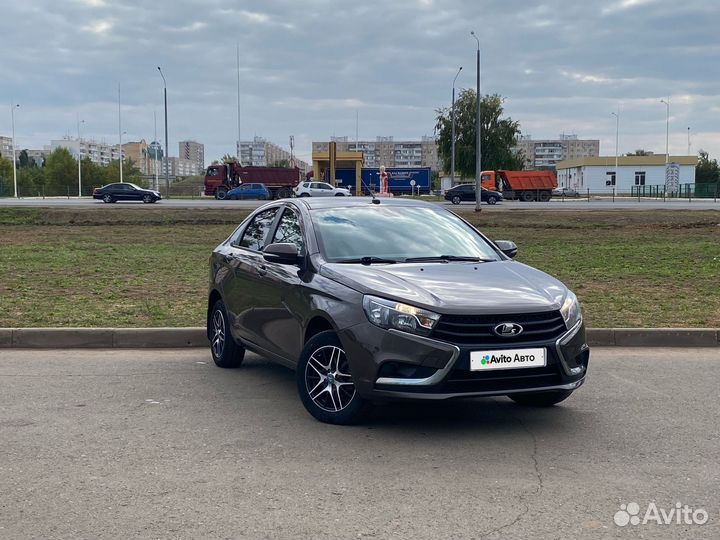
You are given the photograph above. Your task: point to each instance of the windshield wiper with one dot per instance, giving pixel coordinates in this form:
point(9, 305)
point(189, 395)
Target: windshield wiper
point(447, 258)
point(367, 260)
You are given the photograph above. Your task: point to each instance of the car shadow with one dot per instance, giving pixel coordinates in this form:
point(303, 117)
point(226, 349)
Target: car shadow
point(491, 416)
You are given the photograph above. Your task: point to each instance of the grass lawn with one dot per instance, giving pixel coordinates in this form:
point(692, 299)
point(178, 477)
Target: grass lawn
point(140, 266)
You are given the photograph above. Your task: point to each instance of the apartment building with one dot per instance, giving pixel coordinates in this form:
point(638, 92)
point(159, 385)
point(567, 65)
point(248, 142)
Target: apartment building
point(261, 153)
point(546, 153)
point(98, 152)
point(6, 147)
point(389, 152)
point(193, 151)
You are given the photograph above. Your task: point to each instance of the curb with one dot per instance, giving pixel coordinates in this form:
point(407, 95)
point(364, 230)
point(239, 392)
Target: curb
point(169, 338)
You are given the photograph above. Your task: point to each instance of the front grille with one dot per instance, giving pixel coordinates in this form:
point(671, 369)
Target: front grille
point(477, 330)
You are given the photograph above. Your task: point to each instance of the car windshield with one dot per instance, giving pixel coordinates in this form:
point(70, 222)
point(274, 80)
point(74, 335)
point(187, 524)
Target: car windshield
point(397, 233)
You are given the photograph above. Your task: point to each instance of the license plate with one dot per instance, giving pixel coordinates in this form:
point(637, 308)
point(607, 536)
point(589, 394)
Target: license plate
point(507, 359)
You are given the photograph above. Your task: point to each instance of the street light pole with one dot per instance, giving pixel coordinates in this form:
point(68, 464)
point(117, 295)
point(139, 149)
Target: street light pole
point(452, 114)
point(667, 130)
point(478, 132)
point(120, 135)
point(166, 156)
point(688, 152)
point(79, 156)
point(617, 137)
point(12, 115)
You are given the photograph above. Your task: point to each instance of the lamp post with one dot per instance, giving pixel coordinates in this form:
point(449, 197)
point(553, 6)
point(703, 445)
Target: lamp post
point(478, 151)
point(667, 130)
point(617, 136)
point(688, 152)
point(120, 136)
point(12, 116)
point(452, 143)
point(79, 156)
point(165, 157)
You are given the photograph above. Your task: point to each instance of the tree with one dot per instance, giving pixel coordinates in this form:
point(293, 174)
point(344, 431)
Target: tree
point(499, 135)
point(707, 170)
point(24, 160)
point(130, 172)
point(6, 177)
point(640, 152)
point(60, 172)
point(284, 163)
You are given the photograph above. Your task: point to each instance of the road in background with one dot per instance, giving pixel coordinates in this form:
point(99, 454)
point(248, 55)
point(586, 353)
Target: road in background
point(567, 204)
point(161, 443)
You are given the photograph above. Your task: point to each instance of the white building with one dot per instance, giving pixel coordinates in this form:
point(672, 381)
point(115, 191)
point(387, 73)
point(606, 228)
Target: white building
point(193, 151)
point(6, 147)
point(179, 167)
point(598, 174)
point(98, 152)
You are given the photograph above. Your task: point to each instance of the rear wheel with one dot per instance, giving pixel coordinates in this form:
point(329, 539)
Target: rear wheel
point(325, 384)
point(527, 196)
point(225, 352)
point(544, 196)
point(221, 194)
point(108, 198)
point(284, 193)
point(541, 399)
point(455, 199)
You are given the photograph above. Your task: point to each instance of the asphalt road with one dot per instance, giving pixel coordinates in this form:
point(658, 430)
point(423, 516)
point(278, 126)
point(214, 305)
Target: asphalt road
point(161, 443)
point(567, 204)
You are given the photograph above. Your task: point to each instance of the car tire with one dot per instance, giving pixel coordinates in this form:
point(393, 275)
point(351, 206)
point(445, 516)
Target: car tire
point(455, 199)
point(492, 200)
point(108, 199)
point(304, 195)
point(221, 194)
point(147, 199)
point(541, 399)
point(325, 383)
point(225, 351)
point(527, 196)
point(544, 196)
point(339, 194)
point(284, 193)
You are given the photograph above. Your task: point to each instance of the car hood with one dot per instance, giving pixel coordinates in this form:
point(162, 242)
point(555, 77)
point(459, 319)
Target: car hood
point(456, 287)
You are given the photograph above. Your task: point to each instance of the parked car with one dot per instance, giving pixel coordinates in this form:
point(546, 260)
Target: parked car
point(371, 300)
point(466, 192)
point(125, 191)
point(564, 192)
point(249, 191)
point(320, 189)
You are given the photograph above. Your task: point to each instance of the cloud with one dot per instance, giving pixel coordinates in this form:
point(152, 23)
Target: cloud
point(307, 67)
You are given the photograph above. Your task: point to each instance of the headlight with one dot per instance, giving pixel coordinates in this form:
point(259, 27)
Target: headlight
point(571, 310)
point(390, 314)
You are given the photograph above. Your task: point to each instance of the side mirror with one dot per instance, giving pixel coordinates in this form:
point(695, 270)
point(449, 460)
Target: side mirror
point(281, 253)
point(507, 247)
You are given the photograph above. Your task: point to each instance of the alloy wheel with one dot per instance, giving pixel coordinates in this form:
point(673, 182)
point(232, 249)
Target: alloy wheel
point(218, 335)
point(327, 379)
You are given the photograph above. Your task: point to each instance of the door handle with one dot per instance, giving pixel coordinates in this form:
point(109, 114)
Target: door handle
point(228, 258)
point(262, 270)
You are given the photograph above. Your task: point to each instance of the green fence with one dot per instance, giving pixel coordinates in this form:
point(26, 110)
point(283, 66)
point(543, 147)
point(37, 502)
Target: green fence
point(685, 191)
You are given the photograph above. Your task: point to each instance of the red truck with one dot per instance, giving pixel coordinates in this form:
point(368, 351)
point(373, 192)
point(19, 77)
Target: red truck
point(280, 181)
point(523, 185)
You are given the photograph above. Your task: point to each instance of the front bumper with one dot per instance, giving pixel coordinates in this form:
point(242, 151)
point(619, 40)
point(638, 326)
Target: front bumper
point(432, 369)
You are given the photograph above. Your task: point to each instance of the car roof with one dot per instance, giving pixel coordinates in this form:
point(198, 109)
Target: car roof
point(355, 202)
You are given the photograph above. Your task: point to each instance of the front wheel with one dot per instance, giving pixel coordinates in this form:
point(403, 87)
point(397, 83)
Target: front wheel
point(339, 194)
point(147, 199)
point(325, 384)
point(225, 352)
point(455, 200)
point(304, 195)
point(221, 194)
point(541, 399)
point(492, 200)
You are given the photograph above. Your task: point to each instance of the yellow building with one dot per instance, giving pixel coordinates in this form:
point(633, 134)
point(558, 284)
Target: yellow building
point(343, 160)
point(138, 152)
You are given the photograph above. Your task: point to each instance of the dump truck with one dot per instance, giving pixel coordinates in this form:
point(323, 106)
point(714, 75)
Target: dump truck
point(522, 185)
point(221, 178)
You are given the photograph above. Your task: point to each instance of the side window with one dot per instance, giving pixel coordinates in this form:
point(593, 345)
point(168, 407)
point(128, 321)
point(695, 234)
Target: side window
point(326, 186)
point(256, 232)
point(288, 230)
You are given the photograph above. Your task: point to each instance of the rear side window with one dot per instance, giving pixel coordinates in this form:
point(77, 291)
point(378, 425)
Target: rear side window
point(257, 231)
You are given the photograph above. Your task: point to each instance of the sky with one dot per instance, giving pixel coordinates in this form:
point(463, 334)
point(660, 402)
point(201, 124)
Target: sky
point(309, 68)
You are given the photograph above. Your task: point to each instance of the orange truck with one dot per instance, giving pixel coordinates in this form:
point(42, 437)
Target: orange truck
point(523, 185)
